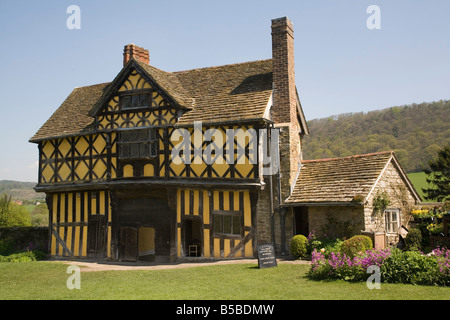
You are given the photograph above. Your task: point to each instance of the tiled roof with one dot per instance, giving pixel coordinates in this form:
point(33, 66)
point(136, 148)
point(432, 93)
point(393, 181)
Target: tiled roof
point(216, 94)
point(71, 118)
point(339, 179)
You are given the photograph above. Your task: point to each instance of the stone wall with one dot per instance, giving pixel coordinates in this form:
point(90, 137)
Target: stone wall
point(336, 221)
point(26, 237)
point(400, 197)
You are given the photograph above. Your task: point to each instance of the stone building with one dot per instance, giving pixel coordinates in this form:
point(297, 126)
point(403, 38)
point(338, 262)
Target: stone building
point(341, 197)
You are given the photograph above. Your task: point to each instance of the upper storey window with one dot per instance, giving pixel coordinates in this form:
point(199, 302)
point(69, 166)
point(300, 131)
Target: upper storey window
point(136, 101)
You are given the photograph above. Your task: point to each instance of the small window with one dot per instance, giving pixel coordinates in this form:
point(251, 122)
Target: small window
point(227, 224)
point(392, 217)
point(138, 144)
point(136, 101)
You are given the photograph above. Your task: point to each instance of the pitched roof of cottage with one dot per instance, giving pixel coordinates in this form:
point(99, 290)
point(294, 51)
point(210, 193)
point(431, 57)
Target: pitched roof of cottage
point(235, 92)
point(339, 180)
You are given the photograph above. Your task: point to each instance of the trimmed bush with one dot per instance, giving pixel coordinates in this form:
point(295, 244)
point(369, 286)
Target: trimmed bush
point(355, 245)
point(413, 239)
point(299, 246)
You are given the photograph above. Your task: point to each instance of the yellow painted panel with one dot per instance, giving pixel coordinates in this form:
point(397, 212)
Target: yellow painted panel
point(226, 247)
point(69, 207)
point(81, 170)
point(226, 200)
point(100, 169)
point(84, 253)
point(98, 145)
point(206, 249)
point(178, 206)
point(64, 172)
point(64, 148)
point(216, 200)
point(53, 246)
point(244, 169)
point(113, 145)
point(94, 203)
point(82, 146)
point(47, 174)
point(78, 207)
point(205, 208)
point(86, 202)
point(198, 168)
point(128, 171)
point(236, 200)
point(248, 247)
point(61, 208)
point(113, 165)
point(238, 253)
point(146, 242)
point(149, 170)
point(102, 202)
point(247, 209)
point(179, 242)
point(196, 199)
point(108, 244)
point(177, 169)
point(220, 169)
point(55, 208)
point(61, 235)
point(69, 237)
point(216, 248)
point(186, 202)
point(76, 250)
point(48, 149)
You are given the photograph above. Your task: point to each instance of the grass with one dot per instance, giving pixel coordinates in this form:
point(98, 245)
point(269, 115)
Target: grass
point(419, 181)
point(47, 280)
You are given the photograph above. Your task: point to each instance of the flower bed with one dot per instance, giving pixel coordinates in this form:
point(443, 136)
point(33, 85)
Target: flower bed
point(396, 266)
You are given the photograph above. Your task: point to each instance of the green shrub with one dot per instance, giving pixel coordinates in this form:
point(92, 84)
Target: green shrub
point(356, 244)
point(413, 239)
point(299, 246)
point(26, 256)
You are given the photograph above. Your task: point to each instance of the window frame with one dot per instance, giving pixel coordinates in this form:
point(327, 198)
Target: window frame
point(151, 141)
point(389, 222)
point(132, 94)
point(234, 217)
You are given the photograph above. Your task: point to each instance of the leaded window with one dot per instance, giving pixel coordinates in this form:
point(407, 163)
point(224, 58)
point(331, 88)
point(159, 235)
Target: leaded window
point(227, 224)
point(135, 101)
point(138, 144)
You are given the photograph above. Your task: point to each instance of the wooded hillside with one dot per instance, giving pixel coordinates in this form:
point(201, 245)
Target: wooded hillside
point(415, 132)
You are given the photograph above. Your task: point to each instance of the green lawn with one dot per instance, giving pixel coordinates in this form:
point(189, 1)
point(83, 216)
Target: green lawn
point(419, 181)
point(47, 280)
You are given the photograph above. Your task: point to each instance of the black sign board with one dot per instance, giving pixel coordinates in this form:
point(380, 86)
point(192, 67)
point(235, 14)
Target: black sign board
point(266, 256)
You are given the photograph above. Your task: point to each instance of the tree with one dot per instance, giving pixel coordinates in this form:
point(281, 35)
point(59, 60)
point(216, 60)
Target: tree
point(438, 177)
point(12, 214)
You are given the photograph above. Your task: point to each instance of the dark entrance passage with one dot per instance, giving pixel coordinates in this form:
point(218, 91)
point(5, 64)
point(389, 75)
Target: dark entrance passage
point(301, 221)
point(192, 237)
point(144, 229)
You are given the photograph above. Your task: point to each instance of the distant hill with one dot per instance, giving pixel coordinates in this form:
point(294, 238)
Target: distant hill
point(20, 190)
point(415, 132)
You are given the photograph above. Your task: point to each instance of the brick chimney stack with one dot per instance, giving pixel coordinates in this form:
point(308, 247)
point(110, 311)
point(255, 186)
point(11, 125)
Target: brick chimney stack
point(133, 51)
point(285, 98)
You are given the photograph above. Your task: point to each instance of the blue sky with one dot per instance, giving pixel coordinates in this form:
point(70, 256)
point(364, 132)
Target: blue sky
point(341, 65)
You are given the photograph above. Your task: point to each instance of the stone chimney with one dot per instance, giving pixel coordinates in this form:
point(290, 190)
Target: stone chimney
point(284, 108)
point(133, 51)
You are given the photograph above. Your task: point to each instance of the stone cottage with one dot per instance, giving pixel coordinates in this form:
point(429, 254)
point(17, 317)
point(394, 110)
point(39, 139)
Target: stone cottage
point(342, 197)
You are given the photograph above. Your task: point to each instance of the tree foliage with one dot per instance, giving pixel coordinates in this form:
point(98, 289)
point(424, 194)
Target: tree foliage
point(11, 214)
point(415, 132)
point(439, 176)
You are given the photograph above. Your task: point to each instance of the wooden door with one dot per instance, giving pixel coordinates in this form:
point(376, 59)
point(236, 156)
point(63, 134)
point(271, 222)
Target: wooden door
point(97, 236)
point(128, 247)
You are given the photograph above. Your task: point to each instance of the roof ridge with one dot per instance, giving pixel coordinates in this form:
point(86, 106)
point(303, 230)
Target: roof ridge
point(349, 157)
point(221, 66)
